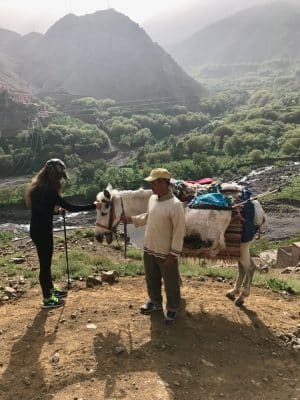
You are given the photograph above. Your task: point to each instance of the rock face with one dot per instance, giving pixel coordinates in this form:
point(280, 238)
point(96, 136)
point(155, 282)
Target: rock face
point(104, 55)
point(260, 33)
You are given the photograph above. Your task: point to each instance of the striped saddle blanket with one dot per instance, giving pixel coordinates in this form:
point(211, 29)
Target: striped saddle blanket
point(233, 234)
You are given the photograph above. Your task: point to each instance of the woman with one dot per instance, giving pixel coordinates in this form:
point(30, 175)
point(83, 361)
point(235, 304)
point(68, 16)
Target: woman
point(42, 195)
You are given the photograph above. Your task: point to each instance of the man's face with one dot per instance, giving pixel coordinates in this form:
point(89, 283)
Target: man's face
point(160, 187)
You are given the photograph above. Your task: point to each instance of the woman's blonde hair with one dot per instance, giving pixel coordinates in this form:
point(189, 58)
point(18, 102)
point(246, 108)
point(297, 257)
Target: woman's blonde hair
point(48, 177)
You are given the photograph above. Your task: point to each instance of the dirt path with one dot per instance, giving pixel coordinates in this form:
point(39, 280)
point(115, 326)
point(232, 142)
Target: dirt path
point(100, 347)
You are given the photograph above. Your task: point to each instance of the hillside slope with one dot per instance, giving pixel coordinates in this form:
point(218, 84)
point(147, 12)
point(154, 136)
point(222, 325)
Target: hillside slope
point(255, 35)
point(8, 66)
point(178, 24)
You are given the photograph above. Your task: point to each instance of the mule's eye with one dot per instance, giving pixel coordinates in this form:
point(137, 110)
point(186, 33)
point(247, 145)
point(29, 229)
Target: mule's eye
point(106, 206)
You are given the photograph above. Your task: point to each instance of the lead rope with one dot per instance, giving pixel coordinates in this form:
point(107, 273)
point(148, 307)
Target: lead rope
point(125, 229)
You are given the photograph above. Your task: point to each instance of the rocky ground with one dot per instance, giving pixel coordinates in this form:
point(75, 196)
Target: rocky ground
point(98, 346)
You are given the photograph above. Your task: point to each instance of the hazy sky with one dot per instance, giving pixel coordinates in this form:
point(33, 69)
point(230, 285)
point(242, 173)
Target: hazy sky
point(25, 16)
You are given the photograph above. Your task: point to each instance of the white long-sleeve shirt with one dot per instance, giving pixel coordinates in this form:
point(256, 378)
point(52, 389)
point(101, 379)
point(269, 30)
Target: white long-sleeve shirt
point(165, 226)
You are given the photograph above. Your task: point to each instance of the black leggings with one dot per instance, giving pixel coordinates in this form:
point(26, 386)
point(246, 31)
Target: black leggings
point(44, 246)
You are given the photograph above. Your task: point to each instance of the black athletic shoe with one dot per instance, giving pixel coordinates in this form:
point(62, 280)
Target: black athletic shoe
point(59, 292)
point(149, 307)
point(171, 317)
point(53, 302)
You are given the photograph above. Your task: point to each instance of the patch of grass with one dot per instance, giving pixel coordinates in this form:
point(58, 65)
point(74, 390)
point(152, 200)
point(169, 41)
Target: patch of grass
point(134, 253)
point(280, 285)
point(11, 270)
point(102, 263)
point(270, 281)
point(83, 263)
point(6, 237)
point(79, 264)
point(81, 233)
point(31, 275)
point(224, 272)
point(130, 268)
point(262, 244)
point(291, 191)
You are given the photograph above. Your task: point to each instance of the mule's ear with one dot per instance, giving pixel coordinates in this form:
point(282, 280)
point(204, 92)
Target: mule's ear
point(109, 187)
point(107, 195)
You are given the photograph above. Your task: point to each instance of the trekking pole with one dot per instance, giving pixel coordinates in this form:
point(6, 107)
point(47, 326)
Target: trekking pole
point(66, 248)
point(257, 197)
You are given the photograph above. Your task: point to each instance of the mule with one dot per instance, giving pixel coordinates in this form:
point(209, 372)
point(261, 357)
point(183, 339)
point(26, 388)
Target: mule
point(203, 225)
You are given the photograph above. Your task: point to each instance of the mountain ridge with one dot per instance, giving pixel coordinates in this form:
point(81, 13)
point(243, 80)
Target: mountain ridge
point(103, 54)
point(179, 24)
point(254, 35)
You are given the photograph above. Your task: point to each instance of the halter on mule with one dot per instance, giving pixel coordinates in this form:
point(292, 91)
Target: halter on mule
point(111, 227)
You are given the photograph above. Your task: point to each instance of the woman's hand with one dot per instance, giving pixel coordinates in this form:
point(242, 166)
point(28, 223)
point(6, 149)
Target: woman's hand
point(97, 204)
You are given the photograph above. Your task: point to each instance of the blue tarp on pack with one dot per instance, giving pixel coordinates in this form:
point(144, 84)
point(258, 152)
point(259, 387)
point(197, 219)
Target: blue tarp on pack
point(212, 200)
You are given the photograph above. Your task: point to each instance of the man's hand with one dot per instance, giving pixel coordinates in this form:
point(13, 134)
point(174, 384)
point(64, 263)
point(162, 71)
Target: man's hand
point(126, 220)
point(170, 260)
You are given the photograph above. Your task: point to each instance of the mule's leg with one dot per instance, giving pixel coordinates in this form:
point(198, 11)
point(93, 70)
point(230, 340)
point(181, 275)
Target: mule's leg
point(238, 283)
point(248, 266)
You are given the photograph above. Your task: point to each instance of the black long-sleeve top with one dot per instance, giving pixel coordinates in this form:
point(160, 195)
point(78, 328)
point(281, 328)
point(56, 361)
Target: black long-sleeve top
point(43, 201)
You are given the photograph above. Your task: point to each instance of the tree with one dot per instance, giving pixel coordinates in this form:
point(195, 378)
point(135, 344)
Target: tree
point(141, 137)
point(291, 147)
point(6, 164)
point(256, 155)
point(233, 146)
point(199, 144)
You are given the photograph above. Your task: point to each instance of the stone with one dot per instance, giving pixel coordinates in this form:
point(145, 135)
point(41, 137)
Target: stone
point(119, 349)
point(17, 260)
point(26, 381)
point(73, 315)
point(92, 281)
point(109, 276)
point(287, 270)
point(91, 326)
point(55, 358)
point(9, 291)
point(296, 347)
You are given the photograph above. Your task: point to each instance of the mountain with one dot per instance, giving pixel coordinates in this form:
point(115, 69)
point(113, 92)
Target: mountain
point(25, 45)
point(7, 37)
point(177, 25)
point(261, 33)
point(105, 55)
point(8, 65)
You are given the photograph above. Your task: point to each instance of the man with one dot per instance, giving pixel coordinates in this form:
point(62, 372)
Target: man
point(165, 228)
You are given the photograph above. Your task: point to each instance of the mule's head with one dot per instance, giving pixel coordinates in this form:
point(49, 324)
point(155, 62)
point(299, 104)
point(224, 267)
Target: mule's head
point(105, 215)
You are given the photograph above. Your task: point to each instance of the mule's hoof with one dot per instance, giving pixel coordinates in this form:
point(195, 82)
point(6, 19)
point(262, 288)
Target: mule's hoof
point(239, 302)
point(230, 296)
point(109, 238)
